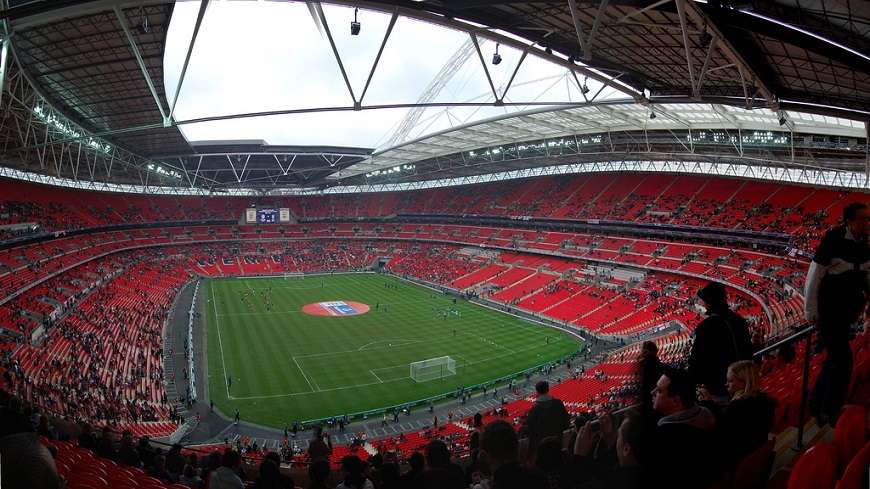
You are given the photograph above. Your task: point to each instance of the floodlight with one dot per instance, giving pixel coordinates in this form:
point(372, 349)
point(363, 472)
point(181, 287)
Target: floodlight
point(782, 120)
point(143, 27)
point(584, 88)
point(496, 58)
point(652, 114)
point(355, 25)
point(705, 39)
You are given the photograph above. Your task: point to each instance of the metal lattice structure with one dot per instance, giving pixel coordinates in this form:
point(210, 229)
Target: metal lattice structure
point(83, 93)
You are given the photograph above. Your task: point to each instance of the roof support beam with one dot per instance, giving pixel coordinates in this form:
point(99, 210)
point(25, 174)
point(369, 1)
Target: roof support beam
point(123, 20)
point(392, 23)
point(681, 12)
point(202, 8)
point(485, 68)
point(319, 9)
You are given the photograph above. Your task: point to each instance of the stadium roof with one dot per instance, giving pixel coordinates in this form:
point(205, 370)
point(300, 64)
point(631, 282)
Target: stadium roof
point(94, 69)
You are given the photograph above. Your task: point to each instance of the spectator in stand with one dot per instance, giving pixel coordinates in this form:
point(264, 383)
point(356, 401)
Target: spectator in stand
point(836, 290)
point(27, 463)
point(551, 463)
point(499, 452)
point(270, 476)
point(631, 450)
point(440, 471)
point(127, 453)
point(650, 369)
point(353, 474)
point(548, 417)
point(106, 445)
point(746, 422)
point(413, 478)
point(681, 453)
point(226, 476)
point(318, 475)
point(86, 437)
point(190, 478)
point(721, 339)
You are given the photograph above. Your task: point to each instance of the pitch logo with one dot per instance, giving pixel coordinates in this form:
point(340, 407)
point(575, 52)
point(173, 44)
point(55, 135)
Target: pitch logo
point(336, 308)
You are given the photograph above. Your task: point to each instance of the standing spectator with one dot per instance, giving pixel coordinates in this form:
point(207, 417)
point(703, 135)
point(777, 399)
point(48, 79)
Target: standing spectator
point(650, 369)
point(548, 416)
point(550, 462)
point(499, 448)
point(226, 476)
point(106, 445)
point(836, 296)
point(681, 451)
point(270, 476)
point(721, 339)
point(127, 453)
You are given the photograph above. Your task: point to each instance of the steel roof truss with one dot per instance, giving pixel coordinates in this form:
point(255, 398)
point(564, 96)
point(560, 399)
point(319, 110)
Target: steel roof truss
point(122, 19)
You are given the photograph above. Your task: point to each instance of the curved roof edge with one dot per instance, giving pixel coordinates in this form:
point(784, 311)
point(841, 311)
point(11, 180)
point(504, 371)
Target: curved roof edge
point(784, 174)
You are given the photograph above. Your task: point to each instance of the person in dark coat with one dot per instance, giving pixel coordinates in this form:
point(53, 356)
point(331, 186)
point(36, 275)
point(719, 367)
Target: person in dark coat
point(684, 453)
point(649, 369)
point(721, 339)
point(499, 452)
point(440, 472)
point(746, 422)
point(547, 417)
point(836, 291)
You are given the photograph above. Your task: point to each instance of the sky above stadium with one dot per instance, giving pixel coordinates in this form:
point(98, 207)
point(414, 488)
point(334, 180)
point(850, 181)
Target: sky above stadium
point(263, 56)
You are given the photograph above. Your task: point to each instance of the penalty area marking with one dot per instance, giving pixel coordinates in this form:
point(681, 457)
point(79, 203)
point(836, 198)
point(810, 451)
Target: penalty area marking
point(389, 344)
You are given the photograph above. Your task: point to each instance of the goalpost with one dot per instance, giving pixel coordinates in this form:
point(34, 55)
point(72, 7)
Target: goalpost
point(432, 368)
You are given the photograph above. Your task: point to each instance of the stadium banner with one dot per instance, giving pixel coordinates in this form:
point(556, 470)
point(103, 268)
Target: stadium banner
point(250, 215)
point(284, 214)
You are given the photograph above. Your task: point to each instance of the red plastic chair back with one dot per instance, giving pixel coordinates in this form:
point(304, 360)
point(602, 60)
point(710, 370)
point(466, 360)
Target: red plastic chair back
point(815, 469)
point(754, 470)
point(856, 474)
point(850, 433)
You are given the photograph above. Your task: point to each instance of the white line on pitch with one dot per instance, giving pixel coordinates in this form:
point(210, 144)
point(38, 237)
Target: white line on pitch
point(305, 376)
point(220, 342)
point(376, 376)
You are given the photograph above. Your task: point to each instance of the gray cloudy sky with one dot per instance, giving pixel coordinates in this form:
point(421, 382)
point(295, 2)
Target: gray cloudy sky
point(259, 56)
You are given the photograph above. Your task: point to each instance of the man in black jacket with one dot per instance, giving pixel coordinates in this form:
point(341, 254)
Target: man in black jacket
point(499, 452)
point(836, 292)
point(721, 339)
point(548, 417)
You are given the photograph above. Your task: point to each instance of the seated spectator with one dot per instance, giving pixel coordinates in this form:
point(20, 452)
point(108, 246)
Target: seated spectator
point(353, 474)
point(746, 422)
point(106, 445)
point(190, 478)
point(127, 453)
point(499, 452)
point(318, 475)
point(550, 462)
point(27, 464)
point(631, 452)
point(270, 476)
point(440, 471)
point(414, 477)
point(226, 476)
point(548, 416)
point(682, 454)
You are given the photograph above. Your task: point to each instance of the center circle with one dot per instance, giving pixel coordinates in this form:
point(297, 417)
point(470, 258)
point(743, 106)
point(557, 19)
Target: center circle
point(336, 308)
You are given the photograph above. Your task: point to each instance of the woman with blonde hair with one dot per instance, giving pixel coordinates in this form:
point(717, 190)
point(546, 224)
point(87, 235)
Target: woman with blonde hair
point(747, 420)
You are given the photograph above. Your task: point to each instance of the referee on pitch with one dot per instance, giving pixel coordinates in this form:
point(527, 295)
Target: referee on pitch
point(836, 296)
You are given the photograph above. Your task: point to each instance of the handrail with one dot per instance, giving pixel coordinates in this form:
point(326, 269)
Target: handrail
point(785, 341)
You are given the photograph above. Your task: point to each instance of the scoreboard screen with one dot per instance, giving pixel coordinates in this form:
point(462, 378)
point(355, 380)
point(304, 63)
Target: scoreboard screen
point(267, 216)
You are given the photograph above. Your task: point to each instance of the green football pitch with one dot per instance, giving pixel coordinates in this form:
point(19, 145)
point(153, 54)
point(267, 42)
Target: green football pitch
point(284, 364)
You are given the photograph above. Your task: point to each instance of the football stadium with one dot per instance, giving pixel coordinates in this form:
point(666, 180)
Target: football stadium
point(459, 244)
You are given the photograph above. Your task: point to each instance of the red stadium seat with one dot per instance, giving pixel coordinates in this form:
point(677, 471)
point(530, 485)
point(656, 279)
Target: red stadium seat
point(815, 469)
point(754, 470)
point(850, 433)
point(856, 474)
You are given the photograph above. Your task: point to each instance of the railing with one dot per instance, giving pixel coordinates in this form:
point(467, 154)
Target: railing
point(804, 333)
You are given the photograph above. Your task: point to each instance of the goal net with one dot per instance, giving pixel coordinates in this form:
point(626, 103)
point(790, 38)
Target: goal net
point(433, 368)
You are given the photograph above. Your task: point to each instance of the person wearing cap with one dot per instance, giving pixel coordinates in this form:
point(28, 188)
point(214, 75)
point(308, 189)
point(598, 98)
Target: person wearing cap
point(836, 291)
point(721, 339)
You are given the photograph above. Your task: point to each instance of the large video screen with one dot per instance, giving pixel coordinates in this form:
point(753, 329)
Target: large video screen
point(267, 216)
